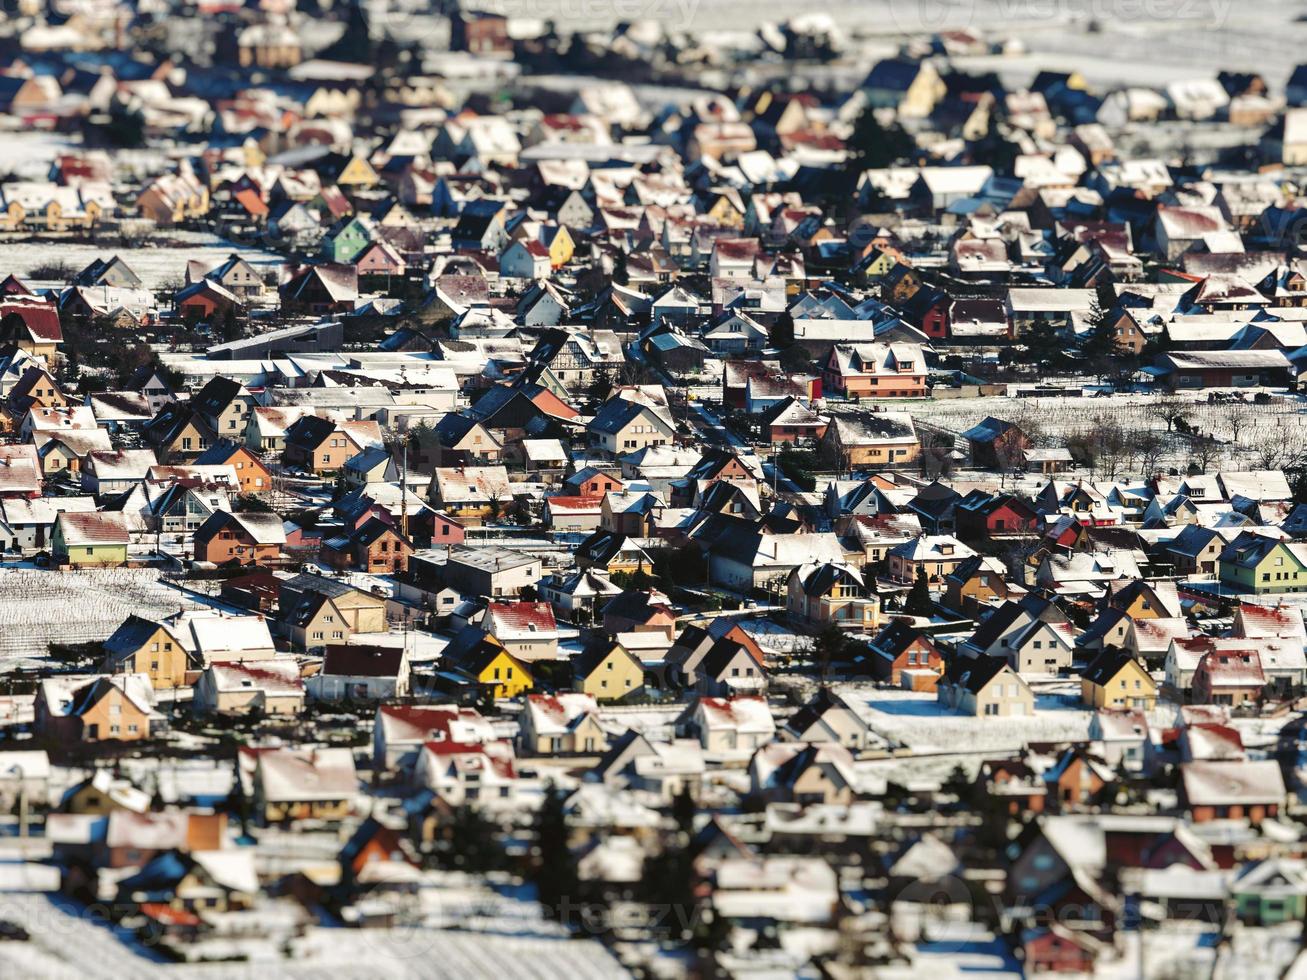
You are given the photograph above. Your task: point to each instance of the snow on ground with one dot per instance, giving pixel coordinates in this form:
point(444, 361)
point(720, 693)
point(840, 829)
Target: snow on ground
point(433, 954)
point(39, 607)
point(958, 950)
point(920, 722)
point(28, 154)
point(156, 265)
point(1059, 418)
point(67, 941)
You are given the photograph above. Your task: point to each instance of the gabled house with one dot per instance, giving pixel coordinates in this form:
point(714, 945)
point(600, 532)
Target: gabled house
point(492, 667)
point(244, 538)
point(361, 672)
point(1260, 565)
point(1115, 679)
point(609, 672)
point(831, 593)
point(903, 655)
point(829, 718)
point(742, 723)
point(90, 539)
point(322, 445)
point(562, 723)
point(94, 708)
point(375, 546)
point(1229, 677)
point(270, 687)
point(985, 686)
point(251, 473)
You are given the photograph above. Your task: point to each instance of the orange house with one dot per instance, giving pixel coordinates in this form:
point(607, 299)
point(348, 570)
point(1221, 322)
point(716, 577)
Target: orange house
point(373, 546)
point(245, 538)
point(324, 446)
point(252, 475)
point(876, 371)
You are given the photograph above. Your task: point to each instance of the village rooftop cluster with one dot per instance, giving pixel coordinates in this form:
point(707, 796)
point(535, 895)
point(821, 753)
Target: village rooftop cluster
point(486, 498)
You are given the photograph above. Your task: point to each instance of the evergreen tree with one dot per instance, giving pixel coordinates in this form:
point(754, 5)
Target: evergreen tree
point(830, 646)
point(683, 810)
point(1100, 346)
point(873, 146)
point(472, 845)
point(1042, 343)
point(919, 602)
point(230, 325)
point(126, 127)
point(355, 45)
point(555, 876)
point(781, 334)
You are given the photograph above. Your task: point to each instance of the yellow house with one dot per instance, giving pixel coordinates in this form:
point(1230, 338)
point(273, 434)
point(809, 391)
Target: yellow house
point(358, 173)
point(505, 675)
point(1115, 679)
point(610, 673)
point(561, 246)
point(826, 592)
point(485, 658)
point(89, 539)
point(876, 265)
point(1146, 600)
point(141, 646)
point(727, 212)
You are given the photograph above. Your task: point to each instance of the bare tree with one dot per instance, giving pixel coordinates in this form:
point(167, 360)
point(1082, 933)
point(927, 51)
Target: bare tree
point(1276, 447)
point(1205, 451)
point(1150, 447)
point(1237, 416)
point(1170, 409)
point(1111, 446)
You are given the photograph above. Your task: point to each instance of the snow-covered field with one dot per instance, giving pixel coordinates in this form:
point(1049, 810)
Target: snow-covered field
point(157, 266)
point(68, 942)
point(919, 721)
point(1059, 418)
point(39, 607)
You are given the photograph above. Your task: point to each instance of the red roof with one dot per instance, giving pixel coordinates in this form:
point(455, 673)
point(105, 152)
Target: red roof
point(574, 503)
point(538, 616)
point(250, 200)
point(168, 915)
point(40, 319)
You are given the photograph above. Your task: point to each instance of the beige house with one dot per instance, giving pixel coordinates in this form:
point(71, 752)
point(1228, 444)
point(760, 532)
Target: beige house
point(272, 687)
point(622, 426)
point(318, 611)
point(831, 592)
point(567, 722)
point(985, 685)
point(301, 783)
point(142, 646)
point(527, 630)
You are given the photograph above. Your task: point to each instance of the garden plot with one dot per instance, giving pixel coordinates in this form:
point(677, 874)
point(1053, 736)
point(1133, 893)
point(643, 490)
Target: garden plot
point(158, 266)
point(1247, 436)
point(920, 722)
point(39, 607)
